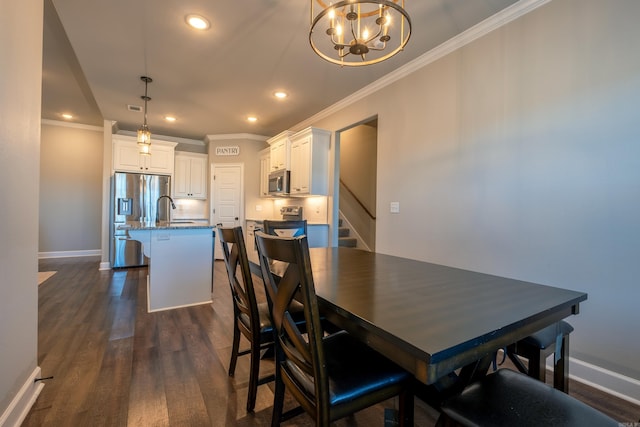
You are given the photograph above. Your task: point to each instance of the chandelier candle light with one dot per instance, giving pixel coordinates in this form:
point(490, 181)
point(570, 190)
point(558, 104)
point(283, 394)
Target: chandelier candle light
point(359, 32)
point(144, 135)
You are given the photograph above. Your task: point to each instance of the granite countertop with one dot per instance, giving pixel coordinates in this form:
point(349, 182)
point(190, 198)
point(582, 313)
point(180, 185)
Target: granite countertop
point(164, 225)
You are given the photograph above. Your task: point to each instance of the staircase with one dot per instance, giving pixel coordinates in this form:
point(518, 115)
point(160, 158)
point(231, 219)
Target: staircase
point(344, 236)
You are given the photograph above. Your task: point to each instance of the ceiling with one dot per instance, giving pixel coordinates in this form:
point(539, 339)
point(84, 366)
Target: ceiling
point(95, 52)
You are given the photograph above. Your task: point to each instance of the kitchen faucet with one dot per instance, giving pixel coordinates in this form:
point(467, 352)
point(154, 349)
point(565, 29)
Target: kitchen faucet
point(173, 206)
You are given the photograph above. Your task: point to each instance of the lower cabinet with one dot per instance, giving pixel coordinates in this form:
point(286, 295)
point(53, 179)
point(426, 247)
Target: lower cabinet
point(318, 237)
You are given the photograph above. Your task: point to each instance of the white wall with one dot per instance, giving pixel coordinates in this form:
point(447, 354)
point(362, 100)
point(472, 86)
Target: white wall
point(20, 86)
point(519, 155)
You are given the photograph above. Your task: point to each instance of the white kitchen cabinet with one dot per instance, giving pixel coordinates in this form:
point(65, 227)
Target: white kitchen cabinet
point(265, 168)
point(280, 146)
point(310, 162)
point(190, 178)
point(127, 158)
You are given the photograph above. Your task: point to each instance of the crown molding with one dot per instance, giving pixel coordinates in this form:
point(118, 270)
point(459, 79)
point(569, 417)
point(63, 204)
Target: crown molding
point(71, 125)
point(490, 24)
point(233, 136)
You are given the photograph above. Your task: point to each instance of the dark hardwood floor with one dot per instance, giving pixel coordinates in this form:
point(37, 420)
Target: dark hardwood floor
point(114, 364)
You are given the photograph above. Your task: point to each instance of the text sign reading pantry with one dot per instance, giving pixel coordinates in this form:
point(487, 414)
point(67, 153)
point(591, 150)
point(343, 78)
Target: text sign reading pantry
point(228, 151)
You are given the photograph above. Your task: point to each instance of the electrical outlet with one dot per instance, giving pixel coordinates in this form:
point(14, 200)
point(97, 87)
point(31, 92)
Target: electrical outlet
point(259, 208)
point(394, 207)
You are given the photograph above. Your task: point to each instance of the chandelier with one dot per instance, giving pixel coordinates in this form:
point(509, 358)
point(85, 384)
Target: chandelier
point(359, 32)
point(144, 135)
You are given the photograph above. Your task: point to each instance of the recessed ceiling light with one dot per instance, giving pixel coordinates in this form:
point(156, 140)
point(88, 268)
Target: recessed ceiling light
point(280, 94)
point(252, 119)
point(198, 22)
point(170, 118)
point(67, 116)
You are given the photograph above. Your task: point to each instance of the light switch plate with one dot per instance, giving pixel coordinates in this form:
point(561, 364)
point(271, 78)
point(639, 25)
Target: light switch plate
point(394, 207)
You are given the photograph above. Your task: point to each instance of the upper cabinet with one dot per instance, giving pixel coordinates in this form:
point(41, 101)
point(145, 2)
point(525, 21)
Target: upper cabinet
point(265, 169)
point(190, 178)
point(127, 158)
point(310, 162)
point(279, 151)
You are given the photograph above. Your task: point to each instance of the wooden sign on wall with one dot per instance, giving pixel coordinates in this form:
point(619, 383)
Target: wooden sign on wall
point(228, 151)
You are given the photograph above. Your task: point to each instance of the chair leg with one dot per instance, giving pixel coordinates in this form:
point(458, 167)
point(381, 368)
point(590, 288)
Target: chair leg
point(234, 349)
point(278, 399)
point(538, 367)
point(254, 371)
point(561, 369)
point(405, 408)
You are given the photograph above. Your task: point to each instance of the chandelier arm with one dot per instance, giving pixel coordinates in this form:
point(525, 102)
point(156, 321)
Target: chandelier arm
point(353, 31)
point(372, 38)
point(378, 48)
point(337, 44)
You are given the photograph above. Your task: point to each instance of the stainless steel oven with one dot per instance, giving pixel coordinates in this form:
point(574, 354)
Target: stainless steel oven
point(279, 183)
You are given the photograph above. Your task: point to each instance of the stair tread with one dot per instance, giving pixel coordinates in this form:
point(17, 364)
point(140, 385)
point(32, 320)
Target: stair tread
point(349, 242)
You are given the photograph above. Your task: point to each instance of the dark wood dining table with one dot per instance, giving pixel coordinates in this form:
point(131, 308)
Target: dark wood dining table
point(432, 319)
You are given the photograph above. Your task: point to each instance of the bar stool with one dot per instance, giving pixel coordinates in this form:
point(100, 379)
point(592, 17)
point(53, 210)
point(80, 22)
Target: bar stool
point(509, 398)
point(537, 347)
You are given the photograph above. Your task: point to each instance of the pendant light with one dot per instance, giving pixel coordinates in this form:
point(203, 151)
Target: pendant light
point(144, 135)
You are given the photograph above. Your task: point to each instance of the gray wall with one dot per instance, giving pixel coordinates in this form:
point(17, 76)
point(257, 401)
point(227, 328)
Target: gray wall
point(518, 155)
point(20, 86)
point(70, 188)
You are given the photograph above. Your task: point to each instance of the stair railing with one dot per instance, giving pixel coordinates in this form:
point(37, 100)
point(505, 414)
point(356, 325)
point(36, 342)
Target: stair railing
point(346, 187)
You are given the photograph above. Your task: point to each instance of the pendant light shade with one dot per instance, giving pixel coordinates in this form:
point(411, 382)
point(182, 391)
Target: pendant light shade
point(144, 134)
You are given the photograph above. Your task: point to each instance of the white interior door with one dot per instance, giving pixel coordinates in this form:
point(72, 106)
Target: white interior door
point(227, 196)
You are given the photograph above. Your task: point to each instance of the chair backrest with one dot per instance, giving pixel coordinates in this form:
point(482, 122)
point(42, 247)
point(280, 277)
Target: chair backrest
point(301, 361)
point(286, 228)
point(242, 291)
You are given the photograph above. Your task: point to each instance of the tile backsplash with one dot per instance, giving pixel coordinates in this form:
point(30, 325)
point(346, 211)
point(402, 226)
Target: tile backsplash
point(190, 209)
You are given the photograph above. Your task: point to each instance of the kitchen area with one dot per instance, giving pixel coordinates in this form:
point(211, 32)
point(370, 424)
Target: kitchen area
point(164, 205)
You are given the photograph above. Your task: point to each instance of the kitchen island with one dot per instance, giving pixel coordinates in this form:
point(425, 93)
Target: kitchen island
point(180, 262)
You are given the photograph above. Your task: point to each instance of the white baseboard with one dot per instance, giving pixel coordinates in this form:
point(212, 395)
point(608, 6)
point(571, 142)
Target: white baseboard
point(19, 407)
point(610, 382)
point(69, 254)
point(105, 266)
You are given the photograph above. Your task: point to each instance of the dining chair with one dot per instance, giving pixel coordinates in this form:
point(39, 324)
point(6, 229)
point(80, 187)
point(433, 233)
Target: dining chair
point(250, 318)
point(510, 398)
point(285, 228)
point(537, 347)
point(332, 375)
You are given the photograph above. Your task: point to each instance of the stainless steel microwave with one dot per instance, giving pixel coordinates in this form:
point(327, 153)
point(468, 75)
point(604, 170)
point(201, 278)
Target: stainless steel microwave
point(279, 183)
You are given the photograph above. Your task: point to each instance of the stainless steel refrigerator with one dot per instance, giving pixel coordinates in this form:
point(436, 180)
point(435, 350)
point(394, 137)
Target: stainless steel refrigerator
point(135, 200)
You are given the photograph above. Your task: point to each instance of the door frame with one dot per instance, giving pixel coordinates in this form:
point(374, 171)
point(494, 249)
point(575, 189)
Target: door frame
point(214, 166)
